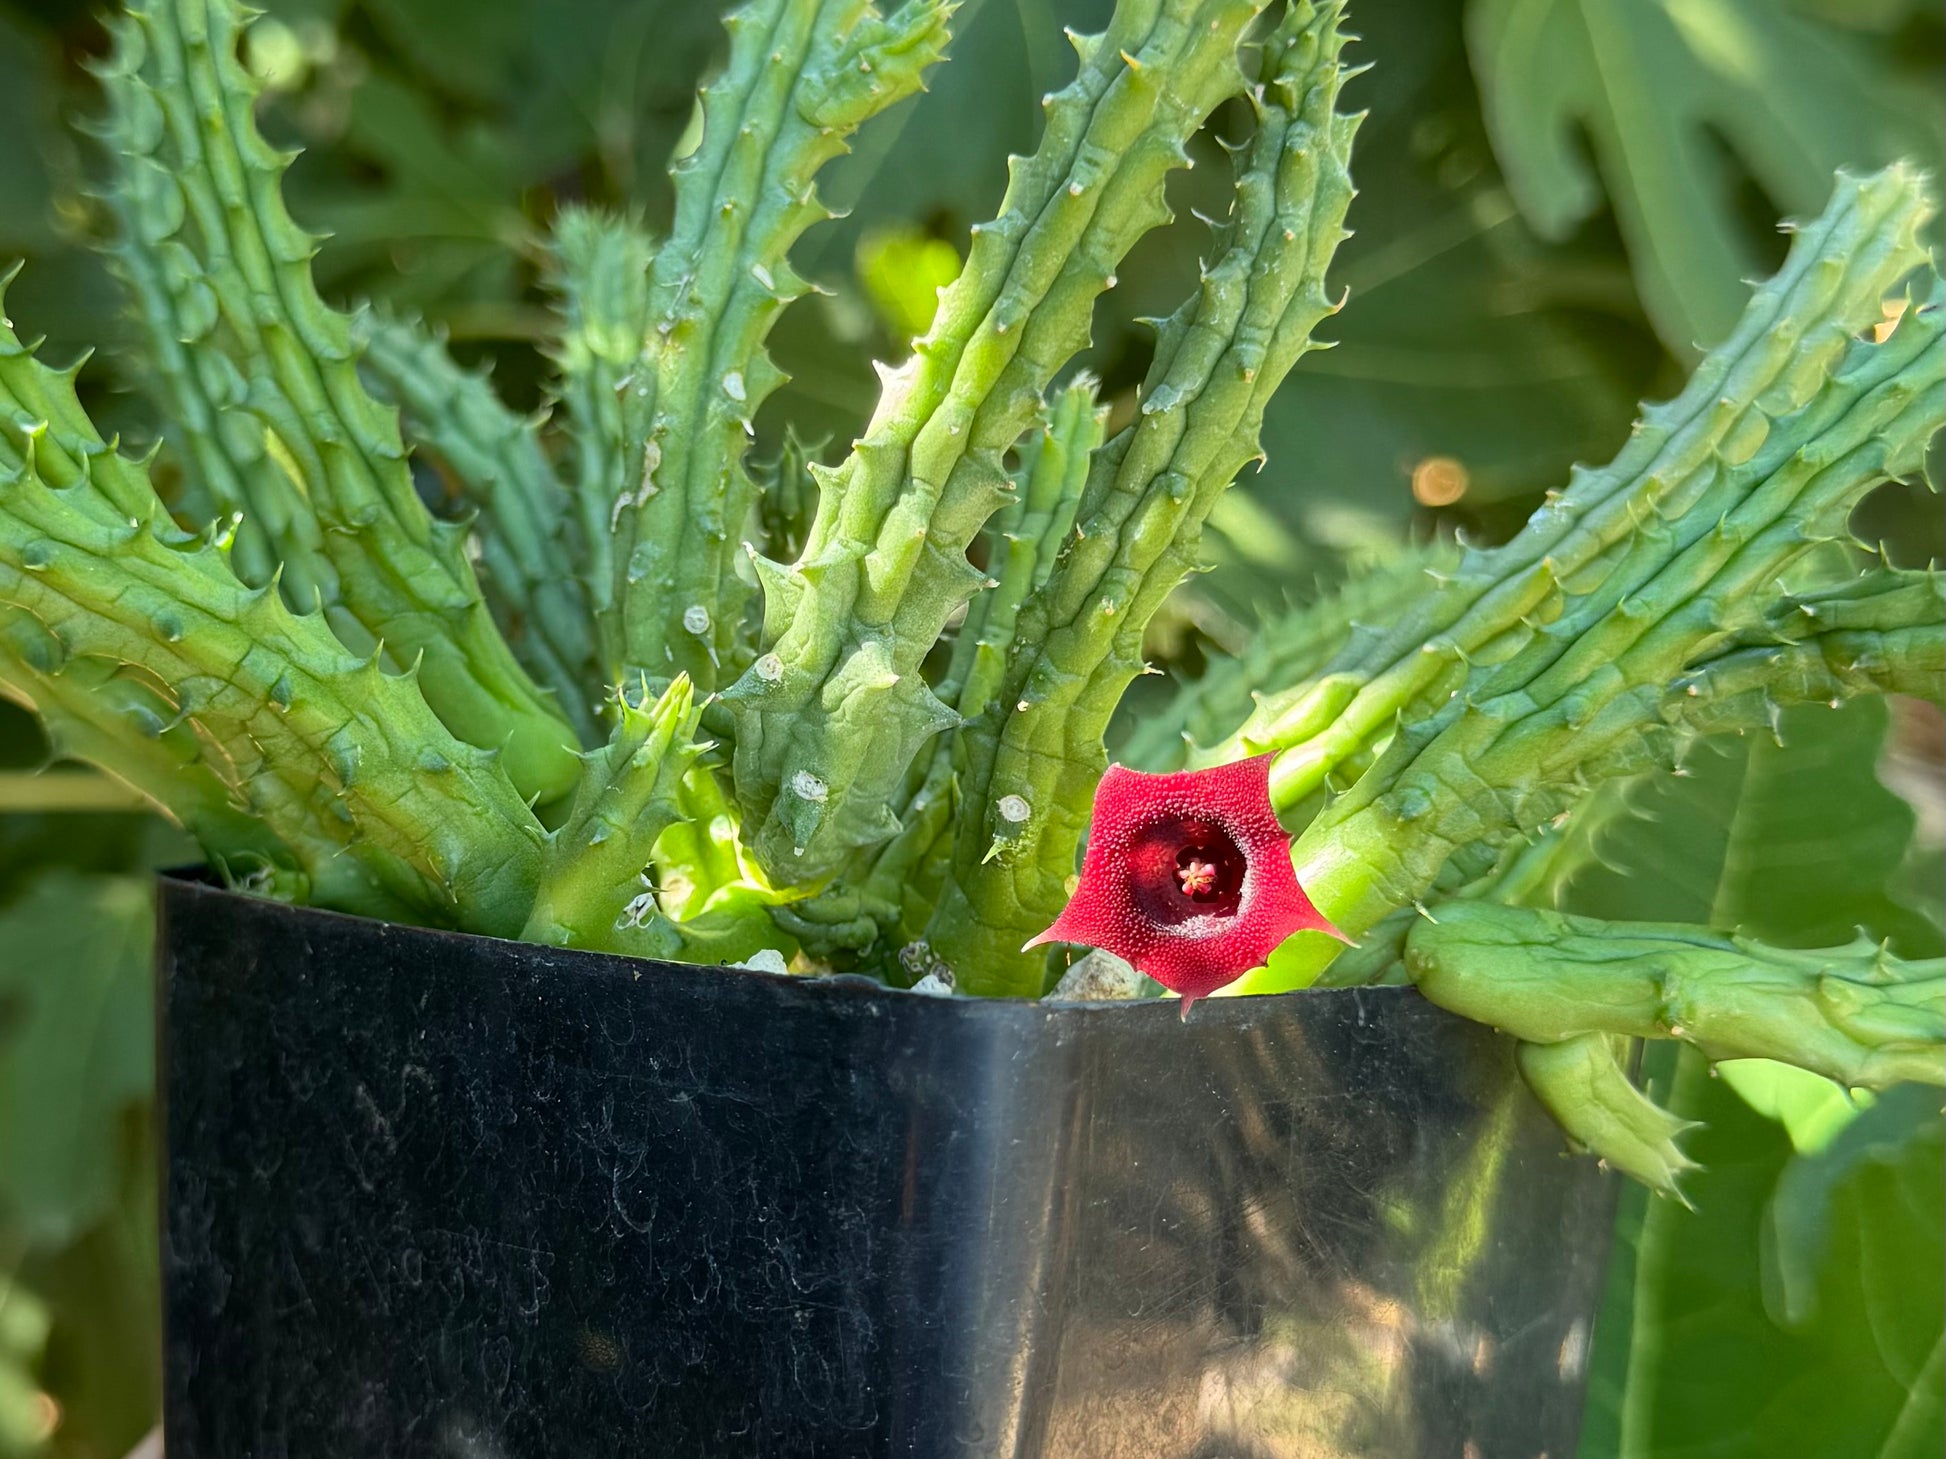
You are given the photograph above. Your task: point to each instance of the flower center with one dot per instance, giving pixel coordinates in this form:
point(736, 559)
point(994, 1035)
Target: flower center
point(1198, 877)
point(1184, 869)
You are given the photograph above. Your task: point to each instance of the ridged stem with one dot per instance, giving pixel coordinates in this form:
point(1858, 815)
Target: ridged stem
point(600, 277)
point(183, 118)
point(1035, 753)
point(892, 897)
point(1230, 711)
point(1579, 690)
point(802, 76)
point(1855, 1014)
point(381, 810)
point(519, 507)
point(828, 721)
point(1794, 333)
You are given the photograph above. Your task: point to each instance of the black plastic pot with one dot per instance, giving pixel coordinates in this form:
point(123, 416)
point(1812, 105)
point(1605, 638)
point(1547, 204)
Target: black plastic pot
point(440, 1195)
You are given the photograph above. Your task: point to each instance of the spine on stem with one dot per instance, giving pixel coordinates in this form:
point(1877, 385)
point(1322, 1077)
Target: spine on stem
point(1587, 694)
point(1038, 746)
point(829, 719)
point(210, 191)
point(225, 705)
point(802, 76)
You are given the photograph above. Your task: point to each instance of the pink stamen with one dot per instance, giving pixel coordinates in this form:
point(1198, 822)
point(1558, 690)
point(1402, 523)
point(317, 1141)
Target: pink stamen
point(1198, 877)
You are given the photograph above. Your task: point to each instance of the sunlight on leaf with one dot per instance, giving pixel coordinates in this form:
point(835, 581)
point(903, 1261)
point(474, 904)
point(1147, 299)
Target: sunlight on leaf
point(903, 269)
point(1676, 100)
point(1819, 1350)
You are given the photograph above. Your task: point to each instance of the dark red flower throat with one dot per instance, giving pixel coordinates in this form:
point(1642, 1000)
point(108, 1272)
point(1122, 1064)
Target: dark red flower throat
point(1187, 876)
point(1179, 870)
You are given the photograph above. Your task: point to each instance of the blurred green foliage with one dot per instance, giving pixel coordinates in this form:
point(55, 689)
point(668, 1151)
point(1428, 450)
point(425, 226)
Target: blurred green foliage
point(1557, 200)
point(1697, 119)
point(1797, 1308)
point(79, 1345)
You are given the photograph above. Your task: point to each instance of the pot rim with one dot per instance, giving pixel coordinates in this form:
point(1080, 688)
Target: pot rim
point(198, 883)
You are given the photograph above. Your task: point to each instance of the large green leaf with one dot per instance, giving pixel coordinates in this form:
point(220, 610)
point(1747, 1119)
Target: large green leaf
point(76, 1049)
point(1713, 1365)
point(77, 1163)
point(103, 1358)
point(1680, 102)
point(1796, 1309)
point(1790, 838)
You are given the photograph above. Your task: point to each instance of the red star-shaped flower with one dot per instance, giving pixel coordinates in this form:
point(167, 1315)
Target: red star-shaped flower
point(1187, 876)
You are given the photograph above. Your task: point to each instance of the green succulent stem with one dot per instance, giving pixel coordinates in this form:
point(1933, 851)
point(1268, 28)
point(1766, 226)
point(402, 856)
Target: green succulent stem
point(205, 194)
point(593, 892)
point(1582, 1082)
point(1227, 713)
point(129, 629)
point(1578, 687)
point(802, 76)
point(92, 710)
point(828, 720)
point(1795, 333)
point(516, 508)
point(1039, 743)
point(599, 272)
point(1857, 1015)
point(641, 864)
point(230, 462)
point(891, 899)
point(1024, 539)
point(1883, 632)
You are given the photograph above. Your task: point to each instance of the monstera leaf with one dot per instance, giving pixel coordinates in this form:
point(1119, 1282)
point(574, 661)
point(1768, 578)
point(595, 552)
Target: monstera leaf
point(1680, 100)
point(1795, 1309)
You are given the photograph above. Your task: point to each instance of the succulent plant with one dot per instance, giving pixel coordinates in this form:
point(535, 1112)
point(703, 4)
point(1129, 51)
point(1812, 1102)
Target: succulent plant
point(649, 698)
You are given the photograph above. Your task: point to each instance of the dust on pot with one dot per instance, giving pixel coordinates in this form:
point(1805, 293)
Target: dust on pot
point(434, 1194)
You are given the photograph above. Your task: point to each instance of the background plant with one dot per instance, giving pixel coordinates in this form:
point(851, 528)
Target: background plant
point(1587, 348)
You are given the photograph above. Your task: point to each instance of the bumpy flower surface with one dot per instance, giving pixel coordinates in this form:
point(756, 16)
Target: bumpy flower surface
point(1187, 876)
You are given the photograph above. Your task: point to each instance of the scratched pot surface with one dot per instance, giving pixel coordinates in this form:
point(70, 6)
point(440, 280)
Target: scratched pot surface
point(438, 1195)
